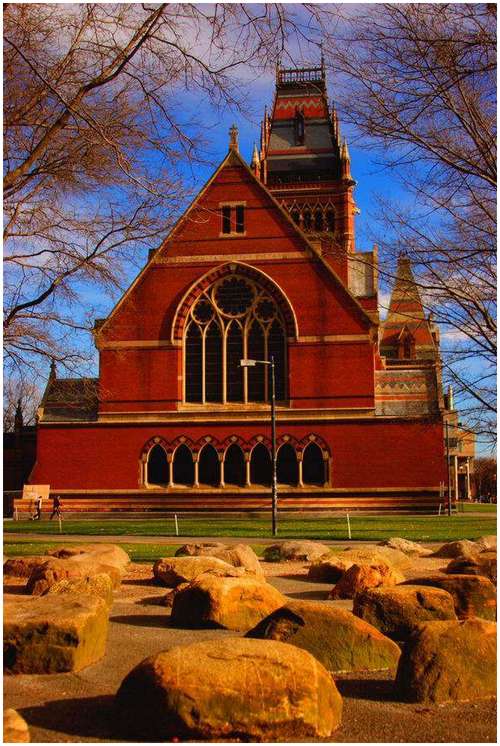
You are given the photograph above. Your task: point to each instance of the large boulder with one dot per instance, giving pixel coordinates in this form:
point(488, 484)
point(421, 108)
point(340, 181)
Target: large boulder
point(298, 551)
point(106, 554)
point(454, 549)
point(328, 570)
point(171, 571)
point(238, 555)
point(22, 567)
point(359, 578)
point(231, 603)
point(98, 585)
point(336, 638)
point(77, 568)
point(15, 729)
point(53, 634)
point(487, 543)
point(473, 595)
point(449, 661)
point(406, 546)
point(230, 689)
point(484, 564)
point(366, 555)
point(397, 611)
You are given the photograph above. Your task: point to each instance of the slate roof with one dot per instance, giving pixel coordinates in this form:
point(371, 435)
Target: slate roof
point(69, 399)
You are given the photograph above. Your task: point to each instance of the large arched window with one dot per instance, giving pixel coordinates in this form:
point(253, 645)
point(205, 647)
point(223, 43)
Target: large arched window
point(183, 466)
point(234, 466)
point(313, 465)
point(209, 466)
point(234, 318)
point(287, 467)
point(260, 465)
point(157, 467)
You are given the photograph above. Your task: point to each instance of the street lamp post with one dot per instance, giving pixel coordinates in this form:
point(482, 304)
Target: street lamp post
point(251, 364)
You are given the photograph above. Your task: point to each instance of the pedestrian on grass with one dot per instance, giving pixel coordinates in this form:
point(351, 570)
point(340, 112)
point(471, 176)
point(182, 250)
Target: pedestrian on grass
point(56, 507)
point(38, 509)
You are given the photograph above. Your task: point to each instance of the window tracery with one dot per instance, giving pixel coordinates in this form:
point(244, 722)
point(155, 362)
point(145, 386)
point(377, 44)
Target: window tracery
point(233, 318)
point(313, 218)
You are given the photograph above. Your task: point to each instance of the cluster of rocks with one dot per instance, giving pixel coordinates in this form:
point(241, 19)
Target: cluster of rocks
point(435, 633)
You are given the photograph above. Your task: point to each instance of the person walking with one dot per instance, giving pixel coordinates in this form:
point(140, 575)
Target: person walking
point(56, 507)
point(38, 509)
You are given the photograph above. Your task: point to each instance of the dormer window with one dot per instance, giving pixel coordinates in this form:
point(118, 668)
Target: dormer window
point(233, 219)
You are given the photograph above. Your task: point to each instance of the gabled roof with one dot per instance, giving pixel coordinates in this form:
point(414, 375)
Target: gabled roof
point(68, 399)
point(406, 310)
point(233, 158)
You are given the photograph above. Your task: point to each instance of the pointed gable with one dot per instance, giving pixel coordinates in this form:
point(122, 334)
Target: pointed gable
point(406, 317)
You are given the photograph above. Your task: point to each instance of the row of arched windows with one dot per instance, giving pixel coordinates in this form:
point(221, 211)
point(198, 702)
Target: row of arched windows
point(318, 218)
point(233, 468)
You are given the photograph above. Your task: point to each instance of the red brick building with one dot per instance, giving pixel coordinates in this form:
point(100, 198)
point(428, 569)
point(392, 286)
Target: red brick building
point(262, 263)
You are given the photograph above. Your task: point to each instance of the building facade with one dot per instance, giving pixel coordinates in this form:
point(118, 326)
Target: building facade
point(262, 264)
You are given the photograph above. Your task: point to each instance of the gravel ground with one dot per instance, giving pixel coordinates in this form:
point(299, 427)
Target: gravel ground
point(79, 707)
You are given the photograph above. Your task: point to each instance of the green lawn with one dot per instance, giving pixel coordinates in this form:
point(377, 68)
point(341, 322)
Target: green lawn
point(137, 552)
point(363, 527)
point(477, 508)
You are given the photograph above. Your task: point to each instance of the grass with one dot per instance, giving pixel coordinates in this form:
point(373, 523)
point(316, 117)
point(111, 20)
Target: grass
point(137, 552)
point(363, 527)
point(477, 508)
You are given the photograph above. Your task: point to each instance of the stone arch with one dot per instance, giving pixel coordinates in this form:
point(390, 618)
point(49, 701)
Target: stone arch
point(313, 465)
point(287, 465)
point(260, 464)
point(208, 466)
point(156, 466)
point(272, 287)
point(234, 466)
point(183, 466)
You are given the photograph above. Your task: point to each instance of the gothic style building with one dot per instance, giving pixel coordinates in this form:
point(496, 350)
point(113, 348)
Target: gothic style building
point(263, 263)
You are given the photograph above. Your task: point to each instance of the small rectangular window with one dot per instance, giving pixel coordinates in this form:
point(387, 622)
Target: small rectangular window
point(240, 219)
point(226, 219)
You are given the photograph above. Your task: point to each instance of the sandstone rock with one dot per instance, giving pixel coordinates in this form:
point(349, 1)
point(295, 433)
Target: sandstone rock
point(230, 603)
point(78, 568)
point(359, 578)
point(454, 549)
point(397, 611)
point(107, 554)
point(98, 585)
point(484, 564)
point(168, 599)
point(449, 661)
point(300, 551)
point(172, 571)
point(231, 689)
point(406, 546)
point(15, 729)
point(473, 595)
point(367, 555)
point(22, 567)
point(487, 543)
point(336, 638)
point(238, 555)
point(328, 570)
point(53, 634)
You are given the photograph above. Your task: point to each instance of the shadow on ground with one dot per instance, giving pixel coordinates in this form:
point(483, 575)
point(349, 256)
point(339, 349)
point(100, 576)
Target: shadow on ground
point(142, 620)
point(377, 690)
point(88, 717)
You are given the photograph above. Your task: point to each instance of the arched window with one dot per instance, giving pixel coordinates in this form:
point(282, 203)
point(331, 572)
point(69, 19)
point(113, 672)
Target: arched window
point(287, 467)
point(260, 465)
point(233, 319)
point(209, 466)
point(313, 465)
point(183, 466)
point(157, 467)
point(307, 220)
point(318, 220)
point(296, 216)
point(234, 466)
point(330, 220)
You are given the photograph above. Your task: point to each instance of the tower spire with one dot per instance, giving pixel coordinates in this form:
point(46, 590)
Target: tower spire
point(233, 138)
point(345, 159)
point(255, 164)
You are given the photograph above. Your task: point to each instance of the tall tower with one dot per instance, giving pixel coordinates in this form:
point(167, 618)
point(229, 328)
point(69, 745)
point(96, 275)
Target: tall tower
point(306, 165)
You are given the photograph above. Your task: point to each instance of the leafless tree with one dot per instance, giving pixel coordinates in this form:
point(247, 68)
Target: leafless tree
point(24, 395)
point(485, 476)
point(102, 125)
point(418, 84)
